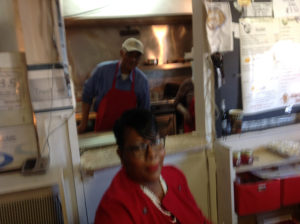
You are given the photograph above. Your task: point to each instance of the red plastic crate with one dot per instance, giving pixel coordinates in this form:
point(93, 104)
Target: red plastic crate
point(262, 196)
point(290, 190)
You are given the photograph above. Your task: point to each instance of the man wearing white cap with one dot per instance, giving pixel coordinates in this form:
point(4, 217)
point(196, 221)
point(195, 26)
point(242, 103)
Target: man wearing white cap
point(116, 86)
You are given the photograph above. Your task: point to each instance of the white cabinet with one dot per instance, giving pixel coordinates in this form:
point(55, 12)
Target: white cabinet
point(226, 172)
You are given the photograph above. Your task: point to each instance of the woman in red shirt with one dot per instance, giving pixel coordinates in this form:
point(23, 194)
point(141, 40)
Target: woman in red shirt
point(144, 191)
point(185, 104)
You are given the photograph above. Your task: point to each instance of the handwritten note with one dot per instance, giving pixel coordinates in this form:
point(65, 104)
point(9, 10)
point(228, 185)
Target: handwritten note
point(286, 8)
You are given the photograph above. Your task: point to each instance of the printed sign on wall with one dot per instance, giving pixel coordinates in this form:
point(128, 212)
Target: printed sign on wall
point(286, 8)
point(48, 90)
point(219, 26)
point(270, 67)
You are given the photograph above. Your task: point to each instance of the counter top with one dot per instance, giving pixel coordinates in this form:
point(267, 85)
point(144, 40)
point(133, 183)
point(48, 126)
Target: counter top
point(16, 182)
point(264, 158)
point(95, 140)
point(100, 156)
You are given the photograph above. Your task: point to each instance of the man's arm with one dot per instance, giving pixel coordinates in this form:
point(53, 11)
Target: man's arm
point(85, 117)
point(88, 94)
point(184, 111)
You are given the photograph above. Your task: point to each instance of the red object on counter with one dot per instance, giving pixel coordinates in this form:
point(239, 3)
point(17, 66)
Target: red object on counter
point(247, 157)
point(290, 193)
point(251, 198)
point(190, 126)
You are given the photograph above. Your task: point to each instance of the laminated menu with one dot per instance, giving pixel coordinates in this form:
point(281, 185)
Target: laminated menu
point(270, 68)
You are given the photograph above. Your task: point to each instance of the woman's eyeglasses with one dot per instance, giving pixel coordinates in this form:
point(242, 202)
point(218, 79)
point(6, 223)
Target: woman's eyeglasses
point(141, 149)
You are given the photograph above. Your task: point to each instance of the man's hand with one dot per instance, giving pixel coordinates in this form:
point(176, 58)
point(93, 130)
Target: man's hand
point(186, 116)
point(84, 118)
point(81, 128)
point(184, 111)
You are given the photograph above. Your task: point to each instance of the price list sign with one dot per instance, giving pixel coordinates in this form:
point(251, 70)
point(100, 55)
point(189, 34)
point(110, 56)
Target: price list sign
point(10, 90)
point(286, 8)
point(270, 68)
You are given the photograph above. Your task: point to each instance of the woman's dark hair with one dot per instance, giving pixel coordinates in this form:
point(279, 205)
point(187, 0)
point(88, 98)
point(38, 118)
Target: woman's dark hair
point(141, 120)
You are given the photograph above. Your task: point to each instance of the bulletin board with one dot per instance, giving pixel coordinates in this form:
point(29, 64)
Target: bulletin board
point(235, 63)
point(270, 68)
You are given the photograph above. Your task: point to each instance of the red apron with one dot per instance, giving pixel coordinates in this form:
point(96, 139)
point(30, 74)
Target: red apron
point(190, 126)
point(113, 104)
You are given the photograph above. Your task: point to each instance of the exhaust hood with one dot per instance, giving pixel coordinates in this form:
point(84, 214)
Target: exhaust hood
point(91, 9)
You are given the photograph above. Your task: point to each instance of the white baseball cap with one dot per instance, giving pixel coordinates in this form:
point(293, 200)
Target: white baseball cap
point(133, 44)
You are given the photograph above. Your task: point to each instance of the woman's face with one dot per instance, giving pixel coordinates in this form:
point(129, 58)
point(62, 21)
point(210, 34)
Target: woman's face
point(142, 167)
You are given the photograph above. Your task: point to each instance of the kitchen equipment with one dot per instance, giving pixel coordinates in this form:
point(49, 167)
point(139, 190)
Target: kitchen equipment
point(170, 90)
point(151, 61)
point(165, 114)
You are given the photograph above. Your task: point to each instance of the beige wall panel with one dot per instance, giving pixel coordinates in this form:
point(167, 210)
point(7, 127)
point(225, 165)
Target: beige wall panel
point(8, 34)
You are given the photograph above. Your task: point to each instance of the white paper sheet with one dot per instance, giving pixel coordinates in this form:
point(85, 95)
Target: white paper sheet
point(270, 65)
point(218, 26)
point(15, 105)
point(48, 89)
point(259, 9)
point(286, 8)
point(10, 90)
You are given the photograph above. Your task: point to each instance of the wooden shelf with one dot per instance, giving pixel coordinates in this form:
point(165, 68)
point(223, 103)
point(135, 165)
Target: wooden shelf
point(263, 158)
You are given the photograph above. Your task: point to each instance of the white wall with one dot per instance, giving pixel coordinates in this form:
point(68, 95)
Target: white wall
point(120, 8)
point(59, 141)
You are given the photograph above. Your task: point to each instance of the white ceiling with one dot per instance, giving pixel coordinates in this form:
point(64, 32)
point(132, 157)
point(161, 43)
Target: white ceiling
point(88, 9)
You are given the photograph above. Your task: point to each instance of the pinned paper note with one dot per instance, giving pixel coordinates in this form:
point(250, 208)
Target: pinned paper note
point(259, 9)
point(10, 90)
point(286, 8)
point(218, 26)
point(48, 90)
point(269, 63)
